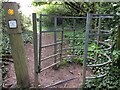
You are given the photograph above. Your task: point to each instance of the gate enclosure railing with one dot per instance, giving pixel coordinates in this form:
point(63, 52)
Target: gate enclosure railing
point(60, 46)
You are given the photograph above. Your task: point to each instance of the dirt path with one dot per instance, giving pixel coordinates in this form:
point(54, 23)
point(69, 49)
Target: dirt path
point(48, 76)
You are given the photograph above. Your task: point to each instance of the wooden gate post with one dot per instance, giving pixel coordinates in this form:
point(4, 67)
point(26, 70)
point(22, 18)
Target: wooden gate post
point(17, 46)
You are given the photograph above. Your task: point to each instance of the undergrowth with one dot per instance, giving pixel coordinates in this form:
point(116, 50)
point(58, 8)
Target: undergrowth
point(112, 80)
point(6, 48)
point(109, 82)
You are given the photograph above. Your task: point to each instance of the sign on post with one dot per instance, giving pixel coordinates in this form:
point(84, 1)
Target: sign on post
point(12, 19)
point(12, 24)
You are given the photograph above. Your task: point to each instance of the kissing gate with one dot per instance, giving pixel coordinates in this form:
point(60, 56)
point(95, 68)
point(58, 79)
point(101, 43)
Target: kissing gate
point(94, 33)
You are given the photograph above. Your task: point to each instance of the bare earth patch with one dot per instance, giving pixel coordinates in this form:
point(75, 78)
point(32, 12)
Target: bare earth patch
point(50, 75)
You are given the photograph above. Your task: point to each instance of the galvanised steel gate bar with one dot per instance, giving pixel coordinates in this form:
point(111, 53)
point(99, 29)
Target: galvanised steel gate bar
point(87, 36)
point(86, 48)
point(40, 42)
point(55, 39)
point(35, 49)
point(62, 39)
point(74, 23)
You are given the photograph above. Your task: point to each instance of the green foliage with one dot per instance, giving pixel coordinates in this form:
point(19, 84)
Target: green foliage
point(26, 28)
point(111, 81)
point(116, 54)
point(51, 9)
point(27, 37)
point(78, 60)
point(77, 42)
point(25, 22)
point(82, 8)
point(6, 44)
point(63, 63)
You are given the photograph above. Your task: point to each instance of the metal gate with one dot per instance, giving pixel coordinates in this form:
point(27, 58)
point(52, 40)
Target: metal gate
point(59, 44)
point(99, 67)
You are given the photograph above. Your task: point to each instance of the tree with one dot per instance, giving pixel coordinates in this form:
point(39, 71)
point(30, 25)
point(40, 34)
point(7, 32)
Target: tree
point(82, 8)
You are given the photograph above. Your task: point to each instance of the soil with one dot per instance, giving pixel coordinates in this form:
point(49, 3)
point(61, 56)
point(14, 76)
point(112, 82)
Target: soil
point(50, 75)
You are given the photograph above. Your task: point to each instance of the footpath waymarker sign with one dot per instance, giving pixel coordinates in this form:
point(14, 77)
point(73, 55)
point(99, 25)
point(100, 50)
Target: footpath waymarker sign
point(12, 19)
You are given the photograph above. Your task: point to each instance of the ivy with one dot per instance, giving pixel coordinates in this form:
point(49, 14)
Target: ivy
point(112, 80)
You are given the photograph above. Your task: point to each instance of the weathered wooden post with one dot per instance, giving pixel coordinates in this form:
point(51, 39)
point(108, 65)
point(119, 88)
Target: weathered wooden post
point(17, 46)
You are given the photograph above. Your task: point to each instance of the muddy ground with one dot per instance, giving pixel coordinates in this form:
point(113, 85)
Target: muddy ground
point(50, 75)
